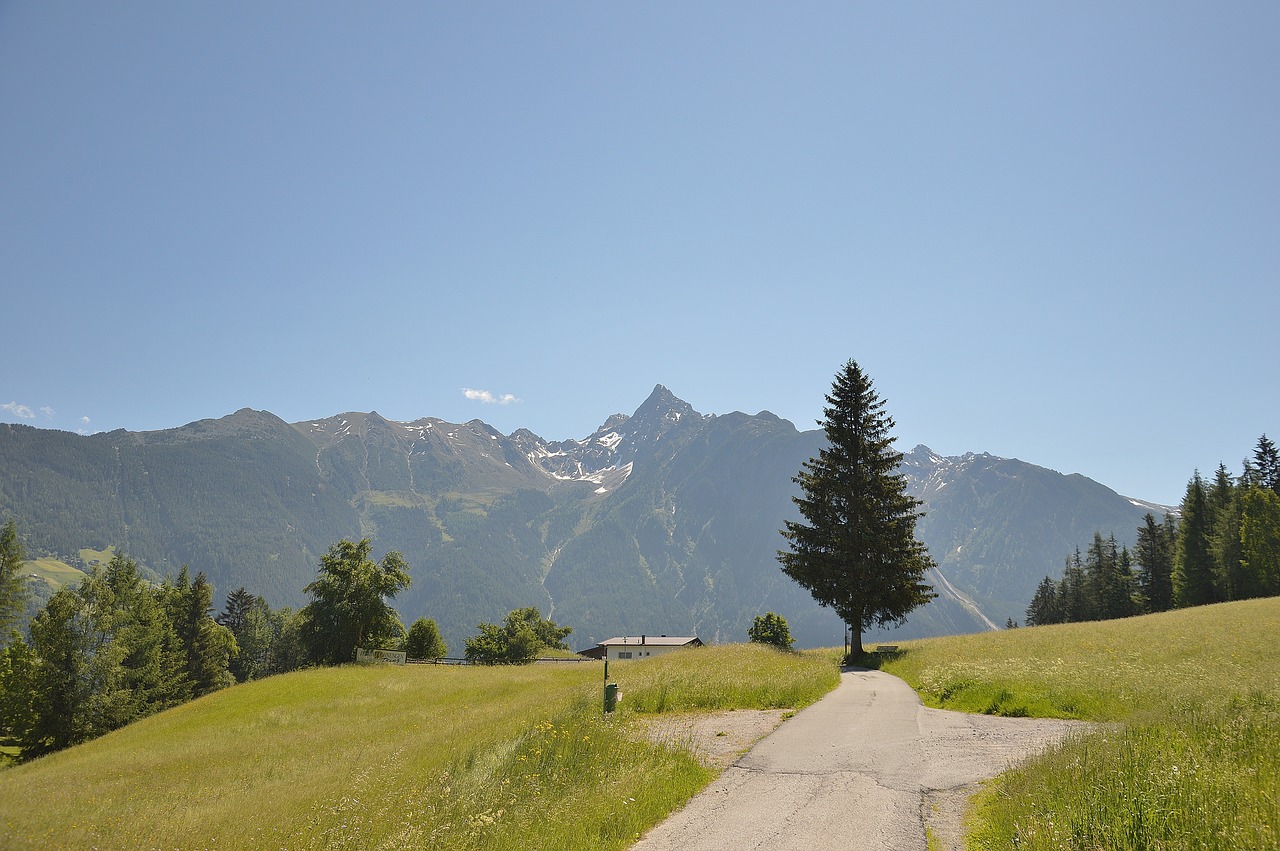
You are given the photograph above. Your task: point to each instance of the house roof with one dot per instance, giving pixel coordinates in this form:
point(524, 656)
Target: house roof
point(651, 641)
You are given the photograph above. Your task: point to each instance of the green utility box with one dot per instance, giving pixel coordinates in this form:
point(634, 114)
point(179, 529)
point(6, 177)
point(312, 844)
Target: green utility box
point(610, 697)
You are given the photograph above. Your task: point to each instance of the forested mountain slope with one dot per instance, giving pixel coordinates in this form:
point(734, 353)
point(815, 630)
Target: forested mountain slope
point(664, 521)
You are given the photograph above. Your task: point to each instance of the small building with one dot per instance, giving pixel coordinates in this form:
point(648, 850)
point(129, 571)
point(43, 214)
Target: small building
point(640, 646)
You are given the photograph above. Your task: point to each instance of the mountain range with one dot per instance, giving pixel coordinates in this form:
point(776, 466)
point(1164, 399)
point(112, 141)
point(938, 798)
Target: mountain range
point(663, 521)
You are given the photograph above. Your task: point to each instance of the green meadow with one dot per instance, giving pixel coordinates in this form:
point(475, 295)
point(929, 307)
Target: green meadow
point(1188, 751)
point(386, 757)
point(57, 573)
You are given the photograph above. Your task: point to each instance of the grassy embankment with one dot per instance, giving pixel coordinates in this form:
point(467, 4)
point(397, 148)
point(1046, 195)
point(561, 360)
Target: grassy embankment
point(384, 757)
point(1193, 760)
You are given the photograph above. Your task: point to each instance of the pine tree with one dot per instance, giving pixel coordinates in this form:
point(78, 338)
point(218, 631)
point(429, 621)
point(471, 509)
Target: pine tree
point(1156, 545)
point(1193, 567)
point(1044, 608)
point(1266, 464)
point(1109, 579)
point(855, 549)
point(1073, 597)
point(207, 646)
point(1127, 596)
point(253, 626)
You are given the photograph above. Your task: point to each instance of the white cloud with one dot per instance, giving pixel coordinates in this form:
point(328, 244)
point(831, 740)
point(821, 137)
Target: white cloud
point(84, 420)
point(17, 410)
point(488, 398)
point(47, 411)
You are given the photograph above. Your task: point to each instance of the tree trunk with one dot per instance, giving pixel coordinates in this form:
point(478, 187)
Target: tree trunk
point(855, 643)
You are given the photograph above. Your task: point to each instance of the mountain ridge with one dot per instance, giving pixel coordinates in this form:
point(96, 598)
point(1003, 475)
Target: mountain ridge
point(665, 520)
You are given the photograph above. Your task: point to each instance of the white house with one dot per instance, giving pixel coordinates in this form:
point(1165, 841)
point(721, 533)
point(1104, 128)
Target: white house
point(640, 646)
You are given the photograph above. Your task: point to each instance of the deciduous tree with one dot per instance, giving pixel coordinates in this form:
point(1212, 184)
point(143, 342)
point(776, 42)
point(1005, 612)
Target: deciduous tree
point(348, 607)
point(770, 628)
point(424, 641)
point(523, 636)
point(108, 655)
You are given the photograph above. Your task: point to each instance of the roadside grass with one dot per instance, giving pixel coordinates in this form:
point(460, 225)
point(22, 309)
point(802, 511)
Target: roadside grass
point(733, 676)
point(378, 757)
point(1190, 760)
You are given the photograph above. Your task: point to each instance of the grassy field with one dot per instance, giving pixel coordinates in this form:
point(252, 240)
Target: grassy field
point(57, 573)
point(1192, 759)
point(385, 757)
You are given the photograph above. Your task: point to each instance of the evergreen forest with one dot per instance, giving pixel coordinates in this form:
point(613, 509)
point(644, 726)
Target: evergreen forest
point(1223, 545)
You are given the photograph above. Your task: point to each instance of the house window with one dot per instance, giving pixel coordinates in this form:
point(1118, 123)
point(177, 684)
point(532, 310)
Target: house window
point(624, 654)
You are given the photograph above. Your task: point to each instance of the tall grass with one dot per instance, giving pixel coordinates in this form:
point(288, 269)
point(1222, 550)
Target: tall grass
point(736, 676)
point(1192, 760)
point(382, 757)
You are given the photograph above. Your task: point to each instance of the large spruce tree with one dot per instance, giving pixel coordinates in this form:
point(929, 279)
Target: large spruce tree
point(855, 548)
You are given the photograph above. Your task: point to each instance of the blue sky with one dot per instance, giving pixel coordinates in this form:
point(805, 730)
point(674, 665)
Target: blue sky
point(1048, 231)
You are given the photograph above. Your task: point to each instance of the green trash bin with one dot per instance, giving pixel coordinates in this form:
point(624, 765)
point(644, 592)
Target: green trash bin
point(610, 697)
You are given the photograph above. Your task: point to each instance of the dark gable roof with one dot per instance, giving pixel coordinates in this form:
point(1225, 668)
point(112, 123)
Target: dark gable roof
point(652, 641)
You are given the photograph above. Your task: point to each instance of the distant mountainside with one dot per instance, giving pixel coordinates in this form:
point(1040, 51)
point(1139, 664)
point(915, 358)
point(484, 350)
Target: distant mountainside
point(664, 521)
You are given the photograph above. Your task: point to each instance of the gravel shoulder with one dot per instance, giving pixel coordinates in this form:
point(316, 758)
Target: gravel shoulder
point(717, 739)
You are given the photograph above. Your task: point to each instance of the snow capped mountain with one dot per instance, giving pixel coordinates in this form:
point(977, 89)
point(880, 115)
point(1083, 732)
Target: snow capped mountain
point(608, 455)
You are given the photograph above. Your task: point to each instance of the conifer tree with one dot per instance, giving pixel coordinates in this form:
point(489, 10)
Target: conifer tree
point(12, 586)
point(1266, 464)
point(207, 646)
point(1193, 568)
point(855, 548)
point(108, 656)
point(255, 629)
point(1109, 579)
point(1073, 597)
point(1154, 551)
point(1044, 607)
point(1260, 542)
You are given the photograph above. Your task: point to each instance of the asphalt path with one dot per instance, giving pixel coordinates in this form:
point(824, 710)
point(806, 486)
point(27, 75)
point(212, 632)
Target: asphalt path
point(866, 767)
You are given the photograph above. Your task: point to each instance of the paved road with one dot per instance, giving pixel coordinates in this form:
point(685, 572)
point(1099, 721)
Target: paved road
point(864, 768)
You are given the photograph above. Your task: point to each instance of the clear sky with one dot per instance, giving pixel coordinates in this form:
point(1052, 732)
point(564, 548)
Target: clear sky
point(1047, 230)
